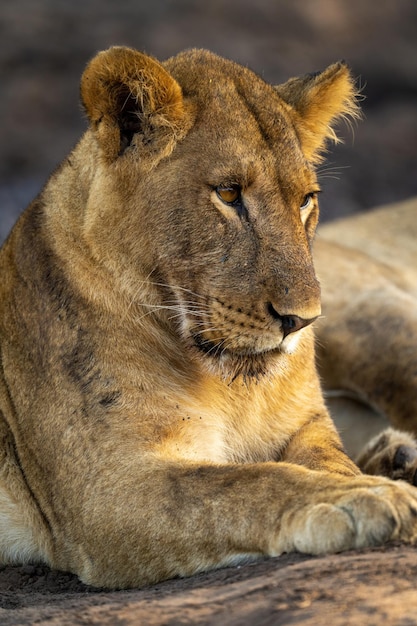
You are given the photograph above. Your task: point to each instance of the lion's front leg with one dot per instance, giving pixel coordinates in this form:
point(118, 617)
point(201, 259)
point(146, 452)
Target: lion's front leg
point(176, 519)
point(317, 445)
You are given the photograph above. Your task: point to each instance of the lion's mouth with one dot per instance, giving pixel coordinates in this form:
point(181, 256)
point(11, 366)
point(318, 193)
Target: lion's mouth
point(219, 348)
point(233, 363)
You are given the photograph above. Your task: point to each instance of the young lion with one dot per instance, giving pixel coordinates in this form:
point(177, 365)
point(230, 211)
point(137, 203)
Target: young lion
point(161, 413)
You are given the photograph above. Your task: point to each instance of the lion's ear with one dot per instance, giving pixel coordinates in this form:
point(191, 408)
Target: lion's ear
point(317, 102)
point(130, 99)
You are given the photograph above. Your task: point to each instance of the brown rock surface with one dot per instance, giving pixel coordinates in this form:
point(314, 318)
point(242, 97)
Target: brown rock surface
point(361, 588)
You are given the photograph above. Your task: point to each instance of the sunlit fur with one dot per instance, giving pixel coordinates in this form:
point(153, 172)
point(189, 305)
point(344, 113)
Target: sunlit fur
point(154, 420)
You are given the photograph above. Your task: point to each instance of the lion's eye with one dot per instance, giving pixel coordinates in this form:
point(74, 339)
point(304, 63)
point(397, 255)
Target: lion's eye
point(308, 201)
point(229, 195)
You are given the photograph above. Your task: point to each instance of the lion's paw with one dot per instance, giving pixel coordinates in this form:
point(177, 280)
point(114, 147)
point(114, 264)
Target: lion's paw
point(391, 453)
point(366, 512)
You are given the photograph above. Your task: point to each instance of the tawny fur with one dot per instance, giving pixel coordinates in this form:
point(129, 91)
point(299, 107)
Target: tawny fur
point(156, 419)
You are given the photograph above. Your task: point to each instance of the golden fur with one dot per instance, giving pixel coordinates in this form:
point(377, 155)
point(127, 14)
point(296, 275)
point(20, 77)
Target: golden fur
point(367, 337)
point(161, 412)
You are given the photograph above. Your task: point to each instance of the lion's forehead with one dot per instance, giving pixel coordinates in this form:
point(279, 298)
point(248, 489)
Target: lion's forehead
point(226, 91)
point(242, 125)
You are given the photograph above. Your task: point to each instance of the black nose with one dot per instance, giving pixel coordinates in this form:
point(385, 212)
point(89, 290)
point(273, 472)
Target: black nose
point(289, 323)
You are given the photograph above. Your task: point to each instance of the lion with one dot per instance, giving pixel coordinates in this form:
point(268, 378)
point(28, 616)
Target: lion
point(366, 341)
point(161, 410)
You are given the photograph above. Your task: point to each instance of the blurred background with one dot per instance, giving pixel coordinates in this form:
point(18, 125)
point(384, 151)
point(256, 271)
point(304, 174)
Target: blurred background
point(45, 44)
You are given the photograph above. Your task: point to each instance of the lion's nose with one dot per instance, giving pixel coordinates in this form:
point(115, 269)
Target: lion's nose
point(289, 323)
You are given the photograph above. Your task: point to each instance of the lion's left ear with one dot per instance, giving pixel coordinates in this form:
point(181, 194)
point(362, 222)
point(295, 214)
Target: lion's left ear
point(317, 102)
point(131, 99)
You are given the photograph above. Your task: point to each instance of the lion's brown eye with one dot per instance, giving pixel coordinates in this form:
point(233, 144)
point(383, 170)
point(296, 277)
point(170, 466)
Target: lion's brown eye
point(308, 200)
point(229, 195)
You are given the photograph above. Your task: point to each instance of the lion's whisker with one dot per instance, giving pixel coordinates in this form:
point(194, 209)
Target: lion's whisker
point(171, 288)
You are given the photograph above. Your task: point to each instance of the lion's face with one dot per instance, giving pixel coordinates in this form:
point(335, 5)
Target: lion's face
point(222, 221)
point(234, 241)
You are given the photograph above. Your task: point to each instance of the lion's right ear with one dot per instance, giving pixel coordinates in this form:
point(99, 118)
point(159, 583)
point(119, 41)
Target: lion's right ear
point(131, 100)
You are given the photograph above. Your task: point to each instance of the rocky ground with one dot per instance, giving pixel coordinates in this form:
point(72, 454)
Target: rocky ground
point(44, 46)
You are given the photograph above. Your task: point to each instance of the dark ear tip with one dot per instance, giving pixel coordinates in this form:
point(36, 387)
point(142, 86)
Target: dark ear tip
point(314, 74)
point(338, 64)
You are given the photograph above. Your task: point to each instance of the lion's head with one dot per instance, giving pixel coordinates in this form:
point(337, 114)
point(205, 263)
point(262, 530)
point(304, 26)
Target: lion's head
point(204, 196)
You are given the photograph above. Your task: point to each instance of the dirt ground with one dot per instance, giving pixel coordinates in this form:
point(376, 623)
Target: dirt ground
point(365, 589)
point(44, 46)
